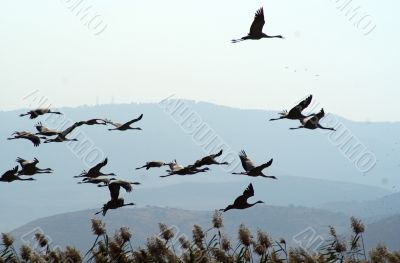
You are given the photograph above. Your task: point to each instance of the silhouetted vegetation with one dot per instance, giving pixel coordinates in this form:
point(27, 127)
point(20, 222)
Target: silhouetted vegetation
point(210, 245)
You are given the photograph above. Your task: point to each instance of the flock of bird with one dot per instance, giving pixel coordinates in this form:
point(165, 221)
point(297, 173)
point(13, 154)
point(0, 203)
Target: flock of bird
point(95, 176)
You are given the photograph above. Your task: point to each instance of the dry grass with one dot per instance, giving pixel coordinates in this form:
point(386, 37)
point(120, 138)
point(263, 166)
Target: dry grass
point(205, 246)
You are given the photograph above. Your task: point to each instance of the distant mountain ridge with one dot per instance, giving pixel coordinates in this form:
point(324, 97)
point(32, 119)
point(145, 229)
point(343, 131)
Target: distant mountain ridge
point(297, 154)
point(297, 225)
point(280, 222)
point(372, 209)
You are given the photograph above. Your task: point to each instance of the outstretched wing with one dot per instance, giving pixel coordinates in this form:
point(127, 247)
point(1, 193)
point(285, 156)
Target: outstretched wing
point(249, 192)
point(114, 190)
point(320, 114)
point(134, 120)
point(116, 125)
point(304, 103)
point(217, 154)
point(98, 166)
point(34, 139)
point(39, 126)
point(246, 162)
point(258, 23)
point(21, 161)
point(126, 185)
point(70, 129)
point(265, 165)
point(10, 172)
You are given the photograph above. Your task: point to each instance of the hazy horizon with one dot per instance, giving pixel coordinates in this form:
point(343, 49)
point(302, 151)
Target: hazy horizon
point(150, 50)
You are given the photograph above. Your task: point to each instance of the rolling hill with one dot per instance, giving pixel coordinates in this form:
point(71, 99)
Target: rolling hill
point(312, 166)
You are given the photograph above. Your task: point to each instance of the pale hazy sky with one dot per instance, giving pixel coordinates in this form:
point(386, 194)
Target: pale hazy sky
point(152, 49)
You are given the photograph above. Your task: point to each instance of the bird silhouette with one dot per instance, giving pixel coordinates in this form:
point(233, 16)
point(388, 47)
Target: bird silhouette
point(251, 169)
point(94, 122)
point(98, 181)
point(95, 172)
point(296, 112)
point(210, 160)
point(256, 28)
point(11, 175)
point(152, 164)
point(37, 112)
point(176, 169)
point(30, 168)
point(43, 130)
point(61, 137)
point(115, 201)
point(125, 126)
point(241, 201)
point(312, 122)
point(27, 135)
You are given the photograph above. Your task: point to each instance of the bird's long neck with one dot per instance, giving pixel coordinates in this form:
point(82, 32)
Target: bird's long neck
point(280, 118)
point(300, 127)
point(277, 36)
point(325, 128)
point(253, 204)
point(229, 207)
point(239, 39)
point(25, 179)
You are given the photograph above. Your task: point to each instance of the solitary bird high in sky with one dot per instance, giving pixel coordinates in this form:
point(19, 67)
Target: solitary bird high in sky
point(241, 201)
point(256, 28)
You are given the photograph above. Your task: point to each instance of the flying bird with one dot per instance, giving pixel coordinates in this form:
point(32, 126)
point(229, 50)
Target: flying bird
point(43, 130)
point(37, 112)
point(95, 172)
point(312, 122)
point(115, 201)
point(251, 169)
point(61, 137)
point(296, 112)
point(30, 168)
point(256, 28)
point(94, 122)
point(125, 126)
point(152, 164)
point(11, 175)
point(210, 160)
point(98, 181)
point(241, 201)
point(176, 169)
point(28, 136)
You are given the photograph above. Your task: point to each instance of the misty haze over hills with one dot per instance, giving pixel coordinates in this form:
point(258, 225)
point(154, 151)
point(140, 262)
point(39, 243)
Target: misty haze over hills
point(297, 225)
point(312, 170)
